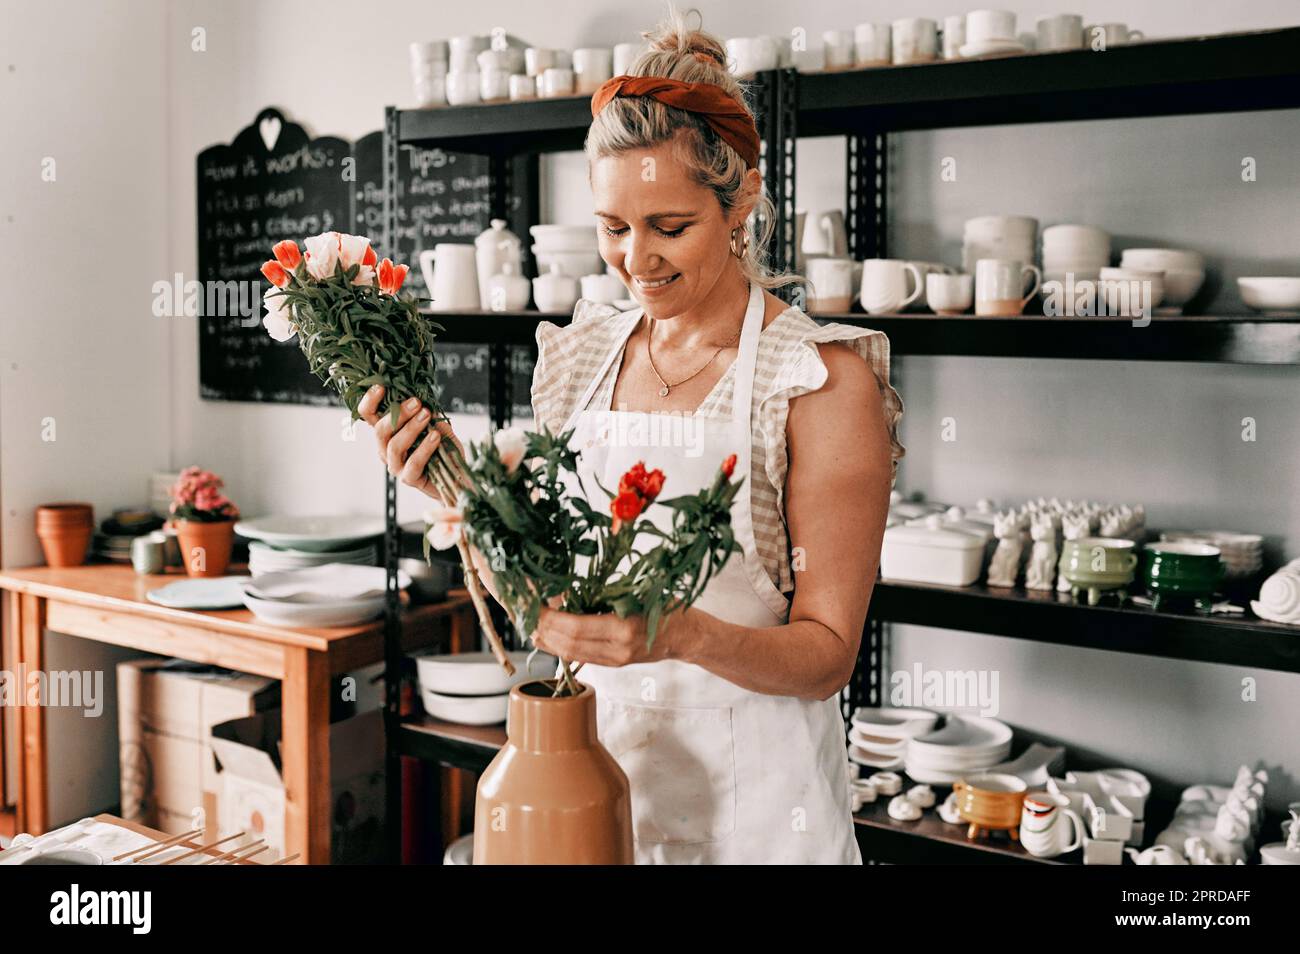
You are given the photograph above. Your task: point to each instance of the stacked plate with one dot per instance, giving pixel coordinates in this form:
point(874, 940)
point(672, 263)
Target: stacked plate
point(334, 594)
point(1242, 553)
point(573, 247)
point(292, 543)
point(878, 737)
point(964, 745)
point(1184, 273)
point(999, 236)
point(472, 688)
point(1081, 250)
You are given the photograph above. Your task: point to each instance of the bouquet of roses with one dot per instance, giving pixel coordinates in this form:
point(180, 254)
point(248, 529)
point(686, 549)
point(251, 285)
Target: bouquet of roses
point(356, 331)
point(516, 509)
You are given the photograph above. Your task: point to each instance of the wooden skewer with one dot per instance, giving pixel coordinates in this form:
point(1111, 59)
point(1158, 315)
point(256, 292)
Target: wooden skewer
point(221, 859)
point(250, 853)
point(202, 848)
point(285, 861)
point(154, 847)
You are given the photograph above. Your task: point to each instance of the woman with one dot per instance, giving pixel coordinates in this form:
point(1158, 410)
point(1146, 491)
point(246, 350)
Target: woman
point(729, 727)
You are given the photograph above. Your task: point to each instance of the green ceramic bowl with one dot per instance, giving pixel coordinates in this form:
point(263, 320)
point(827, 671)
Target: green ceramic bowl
point(1097, 562)
point(1182, 567)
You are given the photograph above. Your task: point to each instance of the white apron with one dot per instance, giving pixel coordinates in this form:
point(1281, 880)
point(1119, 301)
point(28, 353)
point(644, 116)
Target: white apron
point(719, 774)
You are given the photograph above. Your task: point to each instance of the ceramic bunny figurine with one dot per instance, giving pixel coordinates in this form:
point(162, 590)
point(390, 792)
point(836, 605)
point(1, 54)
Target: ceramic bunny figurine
point(1004, 568)
point(1041, 572)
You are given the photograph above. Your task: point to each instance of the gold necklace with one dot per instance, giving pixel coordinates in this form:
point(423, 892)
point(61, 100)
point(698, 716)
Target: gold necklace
point(663, 391)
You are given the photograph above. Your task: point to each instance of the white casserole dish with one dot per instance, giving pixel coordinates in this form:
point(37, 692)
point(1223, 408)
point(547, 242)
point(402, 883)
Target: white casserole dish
point(932, 553)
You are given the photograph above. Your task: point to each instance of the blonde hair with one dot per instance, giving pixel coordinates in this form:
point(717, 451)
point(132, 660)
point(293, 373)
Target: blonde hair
point(639, 122)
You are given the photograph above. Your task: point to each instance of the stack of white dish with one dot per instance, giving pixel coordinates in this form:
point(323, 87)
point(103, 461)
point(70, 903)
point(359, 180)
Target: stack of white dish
point(573, 248)
point(1242, 553)
point(1184, 273)
point(878, 737)
point(429, 72)
point(290, 543)
point(1081, 250)
point(472, 688)
point(1275, 296)
point(998, 236)
point(964, 745)
point(335, 594)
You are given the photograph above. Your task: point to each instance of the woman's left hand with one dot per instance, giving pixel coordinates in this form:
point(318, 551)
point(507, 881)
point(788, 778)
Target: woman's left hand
point(600, 638)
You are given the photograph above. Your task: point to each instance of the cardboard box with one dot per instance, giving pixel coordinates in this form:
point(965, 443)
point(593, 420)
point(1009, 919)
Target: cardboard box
point(166, 710)
point(251, 794)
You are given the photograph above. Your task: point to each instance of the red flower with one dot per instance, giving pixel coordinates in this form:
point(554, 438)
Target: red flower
point(625, 507)
point(644, 484)
point(275, 274)
point(287, 254)
point(390, 276)
point(370, 258)
point(728, 466)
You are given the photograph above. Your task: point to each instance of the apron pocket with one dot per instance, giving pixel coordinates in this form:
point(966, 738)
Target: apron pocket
point(681, 766)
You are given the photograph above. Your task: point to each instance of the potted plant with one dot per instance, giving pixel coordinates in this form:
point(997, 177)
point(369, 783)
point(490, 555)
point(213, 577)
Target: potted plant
point(553, 794)
point(205, 522)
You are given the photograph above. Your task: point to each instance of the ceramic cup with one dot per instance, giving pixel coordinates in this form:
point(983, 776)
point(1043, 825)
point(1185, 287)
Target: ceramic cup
point(949, 294)
point(625, 55)
point(985, 25)
point(591, 67)
point(147, 553)
point(538, 60)
point(914, 40)
point(954, 36)
point(873, 44)
point(1182, 569)
point(839, 49)
point(462, 88)
point(884, 285)
point(1048, 826)
point(557, 81)
point(1000, 286)
point(493, 85)
point(523, 87)
point(990, 800)
point(431, 90)
point(832, 285)
point(1105, 35)
point(1061, 32)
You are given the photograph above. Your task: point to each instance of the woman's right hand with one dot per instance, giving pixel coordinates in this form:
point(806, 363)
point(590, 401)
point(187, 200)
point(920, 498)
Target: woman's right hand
point(407, 465)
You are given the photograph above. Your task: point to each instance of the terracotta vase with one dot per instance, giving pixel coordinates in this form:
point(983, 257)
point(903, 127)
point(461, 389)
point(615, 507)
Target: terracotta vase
point(206, 546)
point(553, 794)
point(64, 530)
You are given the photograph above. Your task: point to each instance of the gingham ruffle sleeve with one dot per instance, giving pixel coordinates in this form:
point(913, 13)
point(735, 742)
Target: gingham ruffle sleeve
point(567, 359)
point(800, 369)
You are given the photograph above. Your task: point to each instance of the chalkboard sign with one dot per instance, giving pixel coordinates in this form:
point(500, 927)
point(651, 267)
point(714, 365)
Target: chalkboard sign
point(275, 182)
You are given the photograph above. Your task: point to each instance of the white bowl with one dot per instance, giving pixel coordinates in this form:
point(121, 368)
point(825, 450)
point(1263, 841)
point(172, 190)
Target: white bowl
point(315, 533)
point(1075, 234)
point(564, 238)
point(479, 674)
point(874, 759)
point(962, 736)
point(572, 264)
point(894, 723)
point(1181, 286)
point(467, 710)
point(1273, 295)
point(1165, 258)
point(985, 226)
point(326, 585)
point(315, 615)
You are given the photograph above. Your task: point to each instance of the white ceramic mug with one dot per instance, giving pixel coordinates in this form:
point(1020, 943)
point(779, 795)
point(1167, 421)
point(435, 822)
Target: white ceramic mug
point(1061, 32)
point(523, 87)
point(493, 85)
point(1105, 35)
point(625, 55)
point(462, 88)
point(914, 40)
point(832, 285)
point(592, 65)
point(538, 60)
point(839, 49)
point(1000, 286)
point(873, 44)
point(454, 285)
point(949, 294)
point(431, 91)
point(954, 36)
point(1048, 826)
point(884, 285)
point(557, 81)
point(985, 25)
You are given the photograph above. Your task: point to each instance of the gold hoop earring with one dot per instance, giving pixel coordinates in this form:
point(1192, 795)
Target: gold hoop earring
point(743, 243)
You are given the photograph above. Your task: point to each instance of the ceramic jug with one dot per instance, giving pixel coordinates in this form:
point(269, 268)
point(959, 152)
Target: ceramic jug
point(451, 274)
point(494, 247)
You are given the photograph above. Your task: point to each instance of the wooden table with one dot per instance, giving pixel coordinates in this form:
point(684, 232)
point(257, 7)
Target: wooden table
point(106, 602)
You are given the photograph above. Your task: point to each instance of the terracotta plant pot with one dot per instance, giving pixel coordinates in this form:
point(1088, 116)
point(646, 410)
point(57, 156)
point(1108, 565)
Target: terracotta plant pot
point(553, 794)
point(206, 546)
point(64, 530)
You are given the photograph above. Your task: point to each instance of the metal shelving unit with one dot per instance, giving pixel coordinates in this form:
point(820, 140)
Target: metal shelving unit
point(1226, 73)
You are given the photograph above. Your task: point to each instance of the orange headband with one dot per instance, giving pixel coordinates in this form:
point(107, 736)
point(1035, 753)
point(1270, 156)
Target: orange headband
point(727, 117)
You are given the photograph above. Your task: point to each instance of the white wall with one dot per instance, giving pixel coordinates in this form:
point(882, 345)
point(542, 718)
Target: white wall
point(141, 104)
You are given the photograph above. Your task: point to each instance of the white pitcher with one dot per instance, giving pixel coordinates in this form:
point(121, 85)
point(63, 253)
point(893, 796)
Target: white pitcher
point(451, 272)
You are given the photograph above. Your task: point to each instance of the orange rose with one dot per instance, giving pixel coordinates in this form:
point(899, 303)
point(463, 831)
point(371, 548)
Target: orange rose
point(275, 274)
point(390, 276)
point(287, 254)
point(626, 506)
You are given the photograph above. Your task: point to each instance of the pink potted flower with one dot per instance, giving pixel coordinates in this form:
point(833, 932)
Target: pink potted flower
point(205, 522)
